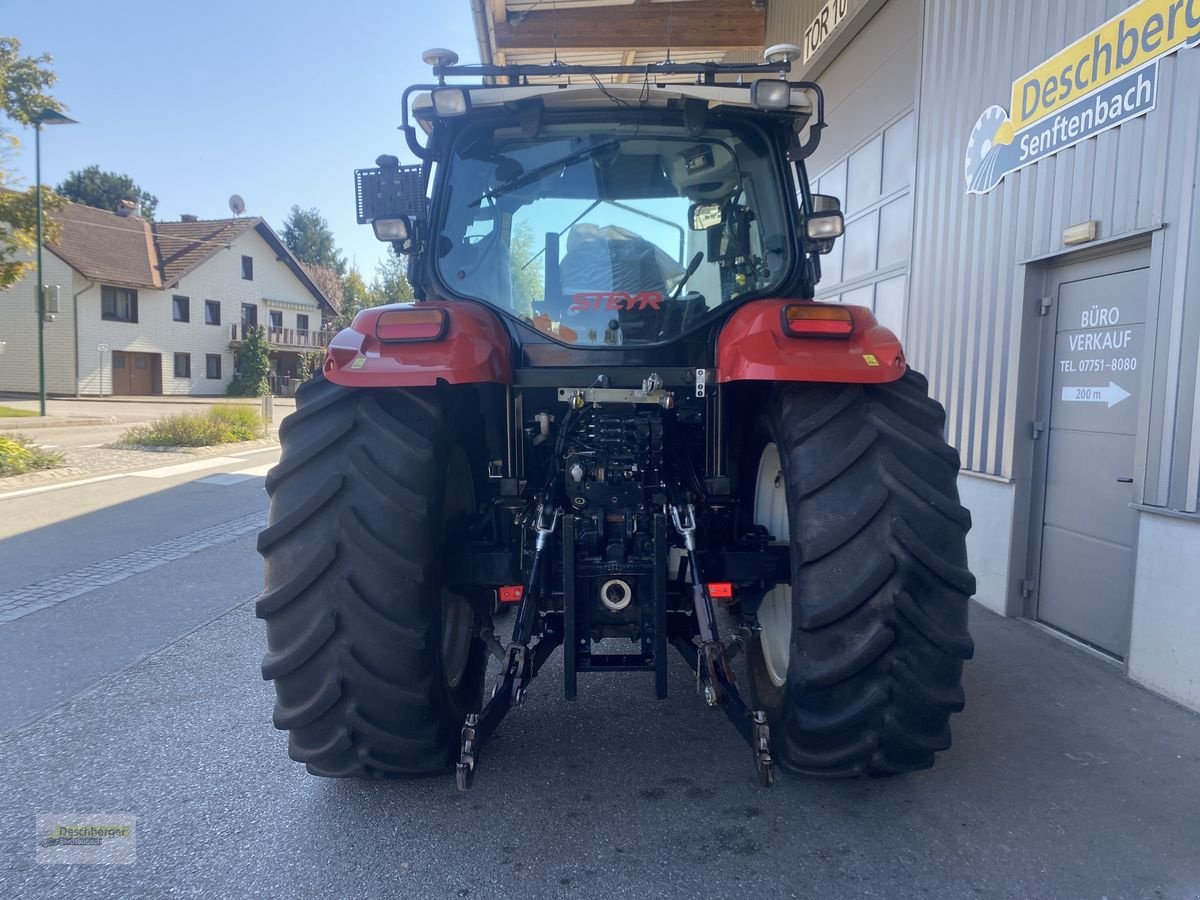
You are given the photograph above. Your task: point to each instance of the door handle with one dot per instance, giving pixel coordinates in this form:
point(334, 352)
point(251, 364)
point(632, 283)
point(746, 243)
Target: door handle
point(1124, 481)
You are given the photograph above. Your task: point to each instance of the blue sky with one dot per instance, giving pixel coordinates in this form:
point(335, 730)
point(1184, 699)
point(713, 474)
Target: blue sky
point(276, 101)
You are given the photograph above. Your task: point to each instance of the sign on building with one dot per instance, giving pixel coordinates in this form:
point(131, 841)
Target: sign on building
point(829, 18)
point(1107, 77)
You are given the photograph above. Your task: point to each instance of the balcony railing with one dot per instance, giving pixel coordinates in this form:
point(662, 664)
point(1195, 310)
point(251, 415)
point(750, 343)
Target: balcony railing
point(288, 338)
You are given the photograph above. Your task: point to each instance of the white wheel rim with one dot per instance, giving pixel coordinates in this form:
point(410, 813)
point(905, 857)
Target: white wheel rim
point(775, 612)
point(458, 618)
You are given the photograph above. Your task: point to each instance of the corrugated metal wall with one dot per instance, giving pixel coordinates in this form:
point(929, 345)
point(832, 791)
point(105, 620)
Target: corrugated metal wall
point(968, 282)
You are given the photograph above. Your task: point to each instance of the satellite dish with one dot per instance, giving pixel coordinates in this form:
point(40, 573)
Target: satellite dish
point(237, 204)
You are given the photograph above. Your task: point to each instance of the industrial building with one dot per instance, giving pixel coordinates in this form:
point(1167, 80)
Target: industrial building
point(1019, 184)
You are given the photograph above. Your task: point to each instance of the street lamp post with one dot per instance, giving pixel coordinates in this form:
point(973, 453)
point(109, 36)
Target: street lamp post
point(45, 117)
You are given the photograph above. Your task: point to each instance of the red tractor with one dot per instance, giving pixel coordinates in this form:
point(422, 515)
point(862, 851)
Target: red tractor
point(616, 407)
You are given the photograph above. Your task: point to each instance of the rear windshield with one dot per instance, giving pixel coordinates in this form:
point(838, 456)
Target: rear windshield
point(617, 236)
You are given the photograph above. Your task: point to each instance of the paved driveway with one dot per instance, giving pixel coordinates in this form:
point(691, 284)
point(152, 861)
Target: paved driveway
point(143, 697)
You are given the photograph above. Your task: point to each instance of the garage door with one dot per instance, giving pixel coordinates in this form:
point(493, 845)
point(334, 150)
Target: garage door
point(1088, 530)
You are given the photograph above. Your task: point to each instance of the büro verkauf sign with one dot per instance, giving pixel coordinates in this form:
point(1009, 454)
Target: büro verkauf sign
point(1107, 77)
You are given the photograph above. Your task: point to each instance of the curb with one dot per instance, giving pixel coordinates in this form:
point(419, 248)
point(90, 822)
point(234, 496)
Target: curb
point(24, 423)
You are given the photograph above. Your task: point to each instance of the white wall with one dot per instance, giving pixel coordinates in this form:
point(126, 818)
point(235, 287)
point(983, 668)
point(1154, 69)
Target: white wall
point(1163, 652)
point(218, 278)
point(989, 543)
point(18, 331)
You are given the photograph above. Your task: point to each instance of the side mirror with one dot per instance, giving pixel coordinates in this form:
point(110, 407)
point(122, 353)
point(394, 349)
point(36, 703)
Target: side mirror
point(825, 203)
point(705, 215)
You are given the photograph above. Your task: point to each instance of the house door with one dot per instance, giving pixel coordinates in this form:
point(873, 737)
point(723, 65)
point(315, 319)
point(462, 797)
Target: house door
point(135, 374)
point(249, 316)
point(1088, 530)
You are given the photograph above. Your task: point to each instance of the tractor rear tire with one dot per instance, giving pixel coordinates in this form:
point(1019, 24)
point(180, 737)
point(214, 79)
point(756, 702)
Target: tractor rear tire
point(375, 665)
point(859, 662)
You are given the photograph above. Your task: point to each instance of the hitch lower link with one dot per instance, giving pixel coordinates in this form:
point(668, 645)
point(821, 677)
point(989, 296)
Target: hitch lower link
point(715, 680)
point(520, 663)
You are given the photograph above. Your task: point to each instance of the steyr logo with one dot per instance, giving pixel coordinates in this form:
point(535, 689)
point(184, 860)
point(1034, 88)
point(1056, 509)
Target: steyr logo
point(614, 300)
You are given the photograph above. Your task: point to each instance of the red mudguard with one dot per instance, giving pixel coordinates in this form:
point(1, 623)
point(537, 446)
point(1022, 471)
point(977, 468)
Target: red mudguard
point(474, 348)
point(753, 347)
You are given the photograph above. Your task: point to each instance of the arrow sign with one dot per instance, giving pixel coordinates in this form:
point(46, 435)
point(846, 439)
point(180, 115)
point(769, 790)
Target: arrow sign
point(1112, 395)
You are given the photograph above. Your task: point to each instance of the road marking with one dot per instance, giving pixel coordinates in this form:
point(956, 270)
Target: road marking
point(257, 471)
point(225, 478)
point(256, 450)
point(183, 468)
point(21, 602)
point(42, 489)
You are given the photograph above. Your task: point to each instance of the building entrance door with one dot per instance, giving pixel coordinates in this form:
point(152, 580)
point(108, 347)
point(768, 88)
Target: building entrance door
point(135, 374)
point(1088, 530)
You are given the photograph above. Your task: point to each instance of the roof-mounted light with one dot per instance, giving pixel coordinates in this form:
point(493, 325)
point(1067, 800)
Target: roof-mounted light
point(450, 101)
point(770, 94)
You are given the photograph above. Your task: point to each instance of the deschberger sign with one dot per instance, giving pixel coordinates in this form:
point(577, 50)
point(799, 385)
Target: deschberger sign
point(1107, 77)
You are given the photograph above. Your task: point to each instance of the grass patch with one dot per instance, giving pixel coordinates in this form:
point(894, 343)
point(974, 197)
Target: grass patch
point(218, 425)
point(7, 412)
point(19, 454)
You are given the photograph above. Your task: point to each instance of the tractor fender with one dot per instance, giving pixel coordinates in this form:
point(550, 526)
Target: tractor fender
point(752, 346)
point(473, 348)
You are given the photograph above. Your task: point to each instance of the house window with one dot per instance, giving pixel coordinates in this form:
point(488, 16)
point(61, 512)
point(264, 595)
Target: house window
point(212, 365)
point(248, 268)
point(183, 365)
point(276, 318)
point(118, 304)
point(181, 310)
point(249, 315)
point(302, 323)
point(212, 312)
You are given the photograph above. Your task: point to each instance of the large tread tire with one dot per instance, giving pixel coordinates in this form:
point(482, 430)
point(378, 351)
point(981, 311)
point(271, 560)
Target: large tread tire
point(353, 601)
point(880, 580)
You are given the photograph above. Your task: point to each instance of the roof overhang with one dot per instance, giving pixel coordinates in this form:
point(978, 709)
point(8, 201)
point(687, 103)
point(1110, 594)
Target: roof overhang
point(618, 32)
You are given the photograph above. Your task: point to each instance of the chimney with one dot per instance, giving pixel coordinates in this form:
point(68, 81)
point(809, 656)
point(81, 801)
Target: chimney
point(189, 217)
point(125, 208)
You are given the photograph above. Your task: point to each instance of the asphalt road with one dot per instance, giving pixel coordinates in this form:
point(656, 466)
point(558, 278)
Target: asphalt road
point(142, 696)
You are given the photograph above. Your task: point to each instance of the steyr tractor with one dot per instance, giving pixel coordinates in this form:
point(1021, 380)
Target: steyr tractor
point(615, 412)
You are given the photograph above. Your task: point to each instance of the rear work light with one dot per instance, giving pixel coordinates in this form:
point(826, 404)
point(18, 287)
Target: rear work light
point(402, 325)
point(806, 320)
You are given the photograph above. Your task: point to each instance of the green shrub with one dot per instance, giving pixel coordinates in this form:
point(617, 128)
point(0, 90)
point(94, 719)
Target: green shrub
point(19, 454)
point(218, 425)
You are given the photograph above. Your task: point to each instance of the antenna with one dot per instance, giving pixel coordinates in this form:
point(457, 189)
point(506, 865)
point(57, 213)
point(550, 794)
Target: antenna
point(237, 205)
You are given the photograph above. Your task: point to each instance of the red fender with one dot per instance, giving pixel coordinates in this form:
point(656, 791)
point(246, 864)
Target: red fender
point(474, 348)
point(753, 347)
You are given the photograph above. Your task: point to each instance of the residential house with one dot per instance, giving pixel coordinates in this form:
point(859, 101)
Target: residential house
point(159, 308)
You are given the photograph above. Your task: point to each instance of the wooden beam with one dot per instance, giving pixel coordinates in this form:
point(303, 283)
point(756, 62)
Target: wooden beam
point(695, 25)
point(627, 59)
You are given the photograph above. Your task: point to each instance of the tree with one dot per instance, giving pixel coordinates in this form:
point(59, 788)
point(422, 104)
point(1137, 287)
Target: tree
point(356, 295)
point(390, 285)
point(307, 235)
point(528, 270)
point(24, 81)
point(96, 187)
point(391, 280)
point(254, 363)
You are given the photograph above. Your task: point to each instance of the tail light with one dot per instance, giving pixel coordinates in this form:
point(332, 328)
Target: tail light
point(720, 590)
point(807, 320)
point(510, 593)
point(412, 324)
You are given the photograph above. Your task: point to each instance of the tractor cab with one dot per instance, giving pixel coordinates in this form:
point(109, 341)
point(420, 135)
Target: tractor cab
point(609, 208)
